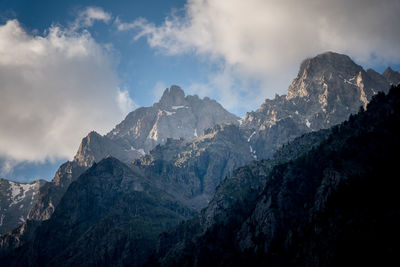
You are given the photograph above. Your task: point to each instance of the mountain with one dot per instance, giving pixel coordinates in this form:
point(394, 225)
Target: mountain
point(393, 77)
point(174, 116)
point(326, 90)
point(110, 214)
point(16, 200)
point(184, 147)
point(334, 204)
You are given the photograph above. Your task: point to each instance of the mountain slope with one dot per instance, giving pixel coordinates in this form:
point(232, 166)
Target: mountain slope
point(16, 199)
point(332, 206)
point(191, 170)
point(108, 213)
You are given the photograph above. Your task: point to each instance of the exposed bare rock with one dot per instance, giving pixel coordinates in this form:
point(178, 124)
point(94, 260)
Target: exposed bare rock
point(327, 89)
point(393, 77)
point(174, 116)
point(16, 200)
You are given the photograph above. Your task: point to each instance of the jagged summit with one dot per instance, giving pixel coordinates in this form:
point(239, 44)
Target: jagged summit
point(174, 116)
point(173, 96)
point(393, 77)
point(327, 89)
point(317, 71)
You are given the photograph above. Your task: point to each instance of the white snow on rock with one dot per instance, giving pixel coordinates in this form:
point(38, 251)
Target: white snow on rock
point(248, 140)
point(308, 124)
point(169, 113)
point(18, 192)
point(178, 107)
point(350, 81)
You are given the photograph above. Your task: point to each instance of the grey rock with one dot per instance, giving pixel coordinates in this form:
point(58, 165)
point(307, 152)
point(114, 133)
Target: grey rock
point(327, 89)
point(16, 200)
point(174, 116)
point(393, 77)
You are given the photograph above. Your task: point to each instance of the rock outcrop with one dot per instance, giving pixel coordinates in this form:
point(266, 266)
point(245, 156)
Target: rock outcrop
point(16, 200)
point(174, 116)
point(327, 89)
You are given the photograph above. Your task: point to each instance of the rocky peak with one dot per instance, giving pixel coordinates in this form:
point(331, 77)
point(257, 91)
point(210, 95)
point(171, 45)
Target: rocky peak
point(327, 89)
point(173, 96)
point(316, 72)
point(393, 77)
point(95, 147)
point(174, 116)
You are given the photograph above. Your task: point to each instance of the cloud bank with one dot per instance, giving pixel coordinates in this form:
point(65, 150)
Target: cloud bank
point(54, 89)
point(261, 39)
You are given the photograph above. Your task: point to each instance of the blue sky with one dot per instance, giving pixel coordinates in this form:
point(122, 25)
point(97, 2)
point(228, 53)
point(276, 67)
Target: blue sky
point(68, 67)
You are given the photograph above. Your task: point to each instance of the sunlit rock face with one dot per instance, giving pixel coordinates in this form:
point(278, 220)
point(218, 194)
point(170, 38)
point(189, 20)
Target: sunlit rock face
point(174, 116)
point(327, 89)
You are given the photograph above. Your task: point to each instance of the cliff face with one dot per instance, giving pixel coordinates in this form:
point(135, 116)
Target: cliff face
point(191, 170)
point(16, 200)
point(174, 116)
point(327, 89)
point(315, 209)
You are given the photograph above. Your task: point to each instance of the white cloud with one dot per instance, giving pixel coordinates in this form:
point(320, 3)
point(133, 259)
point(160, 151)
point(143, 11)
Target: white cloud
point(262, 39)
point(125, 102)
point(54, 89)
point(6, 167)
point(89, 15)
point(158, 90)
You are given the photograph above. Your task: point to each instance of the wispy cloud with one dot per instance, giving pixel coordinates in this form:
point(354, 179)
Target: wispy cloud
point(125, 102)
point(88, 16)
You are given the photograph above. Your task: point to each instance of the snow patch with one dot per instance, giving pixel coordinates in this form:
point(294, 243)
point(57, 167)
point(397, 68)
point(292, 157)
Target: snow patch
point(22, 219)
point(195, 133)
point(253, 152)
point(350, 81)
point(240, 121)
point(179, 107)
point(308, 124)
point(248, 140)
point(169, 113)
point(18, 192)
point(2, 219)
point(141, 151)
